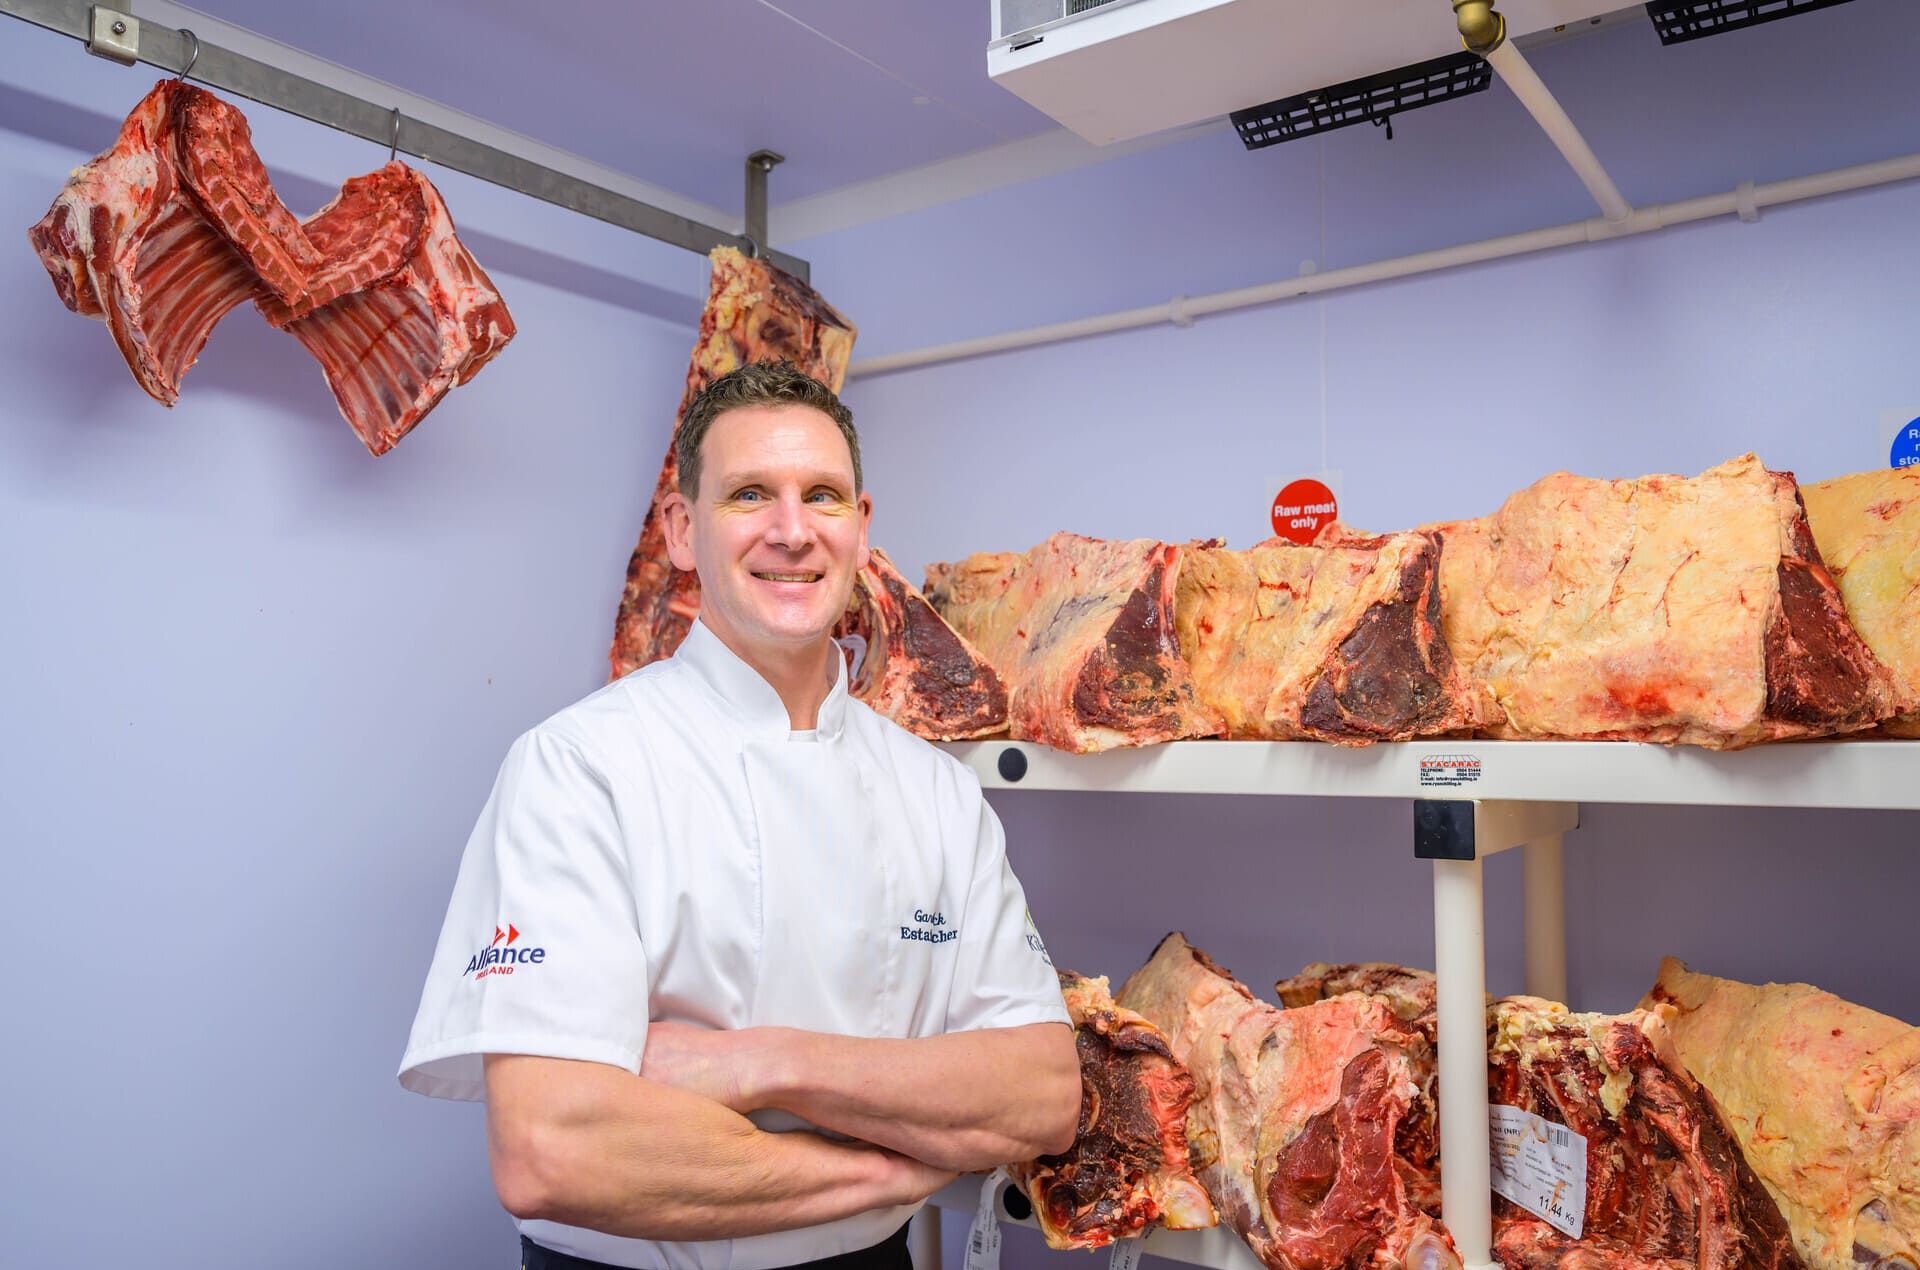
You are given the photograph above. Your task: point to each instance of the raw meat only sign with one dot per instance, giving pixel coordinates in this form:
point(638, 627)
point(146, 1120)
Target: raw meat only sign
point(1302, 509)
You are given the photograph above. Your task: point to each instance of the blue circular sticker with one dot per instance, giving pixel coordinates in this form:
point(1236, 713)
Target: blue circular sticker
point(1906, 446)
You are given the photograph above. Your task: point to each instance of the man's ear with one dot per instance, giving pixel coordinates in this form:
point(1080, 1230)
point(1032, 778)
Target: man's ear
point(676, 516)
point(866, 522)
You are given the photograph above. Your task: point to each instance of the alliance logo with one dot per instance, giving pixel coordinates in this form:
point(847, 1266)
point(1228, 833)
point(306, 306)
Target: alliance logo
point(500, 957)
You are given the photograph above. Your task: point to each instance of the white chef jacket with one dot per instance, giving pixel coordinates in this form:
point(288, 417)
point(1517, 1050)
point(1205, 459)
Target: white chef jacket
point(669, 848)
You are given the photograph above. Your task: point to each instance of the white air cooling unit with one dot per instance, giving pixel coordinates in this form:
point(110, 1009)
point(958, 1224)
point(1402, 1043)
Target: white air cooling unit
point(1115, 69)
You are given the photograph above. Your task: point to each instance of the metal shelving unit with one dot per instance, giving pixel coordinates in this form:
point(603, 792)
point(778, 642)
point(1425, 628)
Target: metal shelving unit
point(1471, 799)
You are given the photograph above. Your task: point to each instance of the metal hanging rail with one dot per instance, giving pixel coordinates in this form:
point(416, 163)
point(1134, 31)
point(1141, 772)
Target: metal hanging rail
point(173, 50)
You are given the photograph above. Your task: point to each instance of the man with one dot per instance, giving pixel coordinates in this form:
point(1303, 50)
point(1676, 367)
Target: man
point(738, 965)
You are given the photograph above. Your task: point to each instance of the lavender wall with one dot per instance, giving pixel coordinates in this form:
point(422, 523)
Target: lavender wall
point(260, 681)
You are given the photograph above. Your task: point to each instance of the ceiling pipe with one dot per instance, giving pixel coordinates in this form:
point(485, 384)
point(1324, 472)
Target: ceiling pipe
point(1481, 29)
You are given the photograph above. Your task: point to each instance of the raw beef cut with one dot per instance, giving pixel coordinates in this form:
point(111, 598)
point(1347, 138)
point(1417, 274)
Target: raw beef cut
point(1824, 1098)
point(1867, 527)
point(128, 242)
point(911, 666)
point(165, 233)
point(413, 317)
point(1082, 630)
point(1294, 1114)
point(1665, 609)
point(1127, 1169)
point(1666, 1184)
point(755, 313)
point(1337, 643)
point(1667, 1188)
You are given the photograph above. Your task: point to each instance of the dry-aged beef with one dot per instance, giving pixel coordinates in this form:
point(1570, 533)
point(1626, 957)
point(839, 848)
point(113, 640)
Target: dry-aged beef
point(911, 666)
point(1338, 643)
point(427, 319)
point(1666, 609)
point(1294, 1116)
point(1667, 1187)
point(1127, 1169)
point(128, 242)
point(755, 313)
point(1082, 631)
point(1867, 527)
point(162, 235)
point(1824, 1099)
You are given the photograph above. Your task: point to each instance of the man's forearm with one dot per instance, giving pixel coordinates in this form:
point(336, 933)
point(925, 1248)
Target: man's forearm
point(590, 1145)
point(967, 1100)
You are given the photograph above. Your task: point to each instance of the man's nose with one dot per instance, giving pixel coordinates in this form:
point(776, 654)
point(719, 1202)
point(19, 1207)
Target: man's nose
point(790, 527)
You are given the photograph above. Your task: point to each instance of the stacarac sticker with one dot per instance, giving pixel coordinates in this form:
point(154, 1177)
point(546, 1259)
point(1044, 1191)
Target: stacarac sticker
point(1448, 771)
point(1539, 1165)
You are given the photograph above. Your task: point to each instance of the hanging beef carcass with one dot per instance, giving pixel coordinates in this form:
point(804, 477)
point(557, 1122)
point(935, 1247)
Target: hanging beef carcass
point(911, 666)
point(162, 235)
point(755, 313)
point(1668, 608)
point(1294, 1116)
point(1867, 527)
point(1335, 643)
point(393, 344)
point(1824, 1098)
point(1127, 1170)
point(1667, 1186)
point(1083, 632)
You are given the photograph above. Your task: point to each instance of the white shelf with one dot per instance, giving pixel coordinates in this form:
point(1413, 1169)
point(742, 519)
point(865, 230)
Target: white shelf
point(1218, 1247)
point(1836, 774)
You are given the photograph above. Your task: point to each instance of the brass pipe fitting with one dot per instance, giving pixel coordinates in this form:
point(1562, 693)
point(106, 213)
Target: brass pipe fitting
point(1481, 29)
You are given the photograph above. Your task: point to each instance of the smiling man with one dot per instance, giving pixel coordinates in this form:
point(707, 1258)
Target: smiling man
point(738, 966)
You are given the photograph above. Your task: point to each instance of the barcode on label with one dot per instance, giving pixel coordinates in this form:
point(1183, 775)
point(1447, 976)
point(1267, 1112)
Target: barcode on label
point(1558, 1135)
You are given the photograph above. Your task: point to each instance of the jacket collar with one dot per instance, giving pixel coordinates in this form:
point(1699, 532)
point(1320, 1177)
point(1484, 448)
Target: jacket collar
point(746, 693)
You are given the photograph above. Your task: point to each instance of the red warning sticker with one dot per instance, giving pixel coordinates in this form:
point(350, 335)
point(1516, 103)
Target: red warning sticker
point(1302, 509)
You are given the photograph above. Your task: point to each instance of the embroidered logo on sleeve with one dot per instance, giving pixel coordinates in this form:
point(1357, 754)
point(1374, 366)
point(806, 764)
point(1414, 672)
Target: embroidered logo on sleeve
point(929, 928)
point(500, 957)
point(1033, 939)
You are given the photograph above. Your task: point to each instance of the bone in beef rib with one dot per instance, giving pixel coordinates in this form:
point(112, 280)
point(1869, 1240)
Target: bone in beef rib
point(755, 313)
point(1824, 1098)
point(412, 316)
point(1294, 1115)
point(1867, 527)
point(1338, 643)
point(1082, 630)
point(1127, 1169)
point(128, 242)
point(1667, 1187)
point(914, 668)
point(1667, 609)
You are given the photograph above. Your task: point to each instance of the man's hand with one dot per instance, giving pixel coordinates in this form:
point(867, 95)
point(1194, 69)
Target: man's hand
point(712, 1063)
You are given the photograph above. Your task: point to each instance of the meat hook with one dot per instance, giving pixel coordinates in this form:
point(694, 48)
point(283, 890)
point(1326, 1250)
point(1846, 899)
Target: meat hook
point(393, 142)
point(192, 56)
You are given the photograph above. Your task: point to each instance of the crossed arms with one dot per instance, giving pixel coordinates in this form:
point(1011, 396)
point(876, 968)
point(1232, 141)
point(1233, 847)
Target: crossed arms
point(670, 1154)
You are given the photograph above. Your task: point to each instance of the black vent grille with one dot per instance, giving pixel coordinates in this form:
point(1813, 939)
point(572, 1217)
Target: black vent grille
point(1081, 6)
point(1678, 21)
point(1375, 99)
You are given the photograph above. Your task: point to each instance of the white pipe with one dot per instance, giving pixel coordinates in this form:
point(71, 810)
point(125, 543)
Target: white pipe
point(1545, 922)
point(1460, 973)
point(1643, 220)
point(1518, 75)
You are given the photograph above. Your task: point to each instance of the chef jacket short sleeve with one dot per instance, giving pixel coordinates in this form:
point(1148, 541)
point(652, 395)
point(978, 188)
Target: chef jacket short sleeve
point(1004, 977)
point(541, 952)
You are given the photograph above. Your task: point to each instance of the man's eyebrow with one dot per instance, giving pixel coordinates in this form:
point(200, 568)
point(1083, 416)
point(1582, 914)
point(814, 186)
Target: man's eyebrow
point(836, 480)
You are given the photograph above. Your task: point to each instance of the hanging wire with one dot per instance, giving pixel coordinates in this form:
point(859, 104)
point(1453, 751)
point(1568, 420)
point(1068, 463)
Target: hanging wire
point(192, 56)
point(393, 143)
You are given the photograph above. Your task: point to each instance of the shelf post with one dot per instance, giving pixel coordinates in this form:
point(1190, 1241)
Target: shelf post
point(1546, 917)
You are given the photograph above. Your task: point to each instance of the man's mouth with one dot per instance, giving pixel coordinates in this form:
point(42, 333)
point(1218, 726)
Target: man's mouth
point(765, 576)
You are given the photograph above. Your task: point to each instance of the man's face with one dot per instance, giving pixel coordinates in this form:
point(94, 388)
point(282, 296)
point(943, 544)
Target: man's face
point(775, 531)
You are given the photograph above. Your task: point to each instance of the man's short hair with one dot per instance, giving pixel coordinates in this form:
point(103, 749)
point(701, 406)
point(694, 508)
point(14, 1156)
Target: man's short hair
point(756, 384)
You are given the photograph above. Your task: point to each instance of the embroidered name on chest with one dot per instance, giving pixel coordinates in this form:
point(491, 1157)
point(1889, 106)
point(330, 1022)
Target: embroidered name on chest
point(929, 928)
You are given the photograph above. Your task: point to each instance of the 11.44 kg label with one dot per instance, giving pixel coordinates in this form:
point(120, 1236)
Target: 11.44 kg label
point(1539, 1165)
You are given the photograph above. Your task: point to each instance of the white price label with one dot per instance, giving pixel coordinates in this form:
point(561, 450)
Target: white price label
point(1539, 1165)
point(1126, 1253)
point(983, 1237)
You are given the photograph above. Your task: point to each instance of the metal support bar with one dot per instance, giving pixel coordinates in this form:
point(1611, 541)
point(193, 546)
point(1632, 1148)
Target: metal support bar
point(759, 163)
point(221, 68)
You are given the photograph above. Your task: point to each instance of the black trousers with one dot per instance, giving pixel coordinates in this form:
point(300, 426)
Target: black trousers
point(889, 1254)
